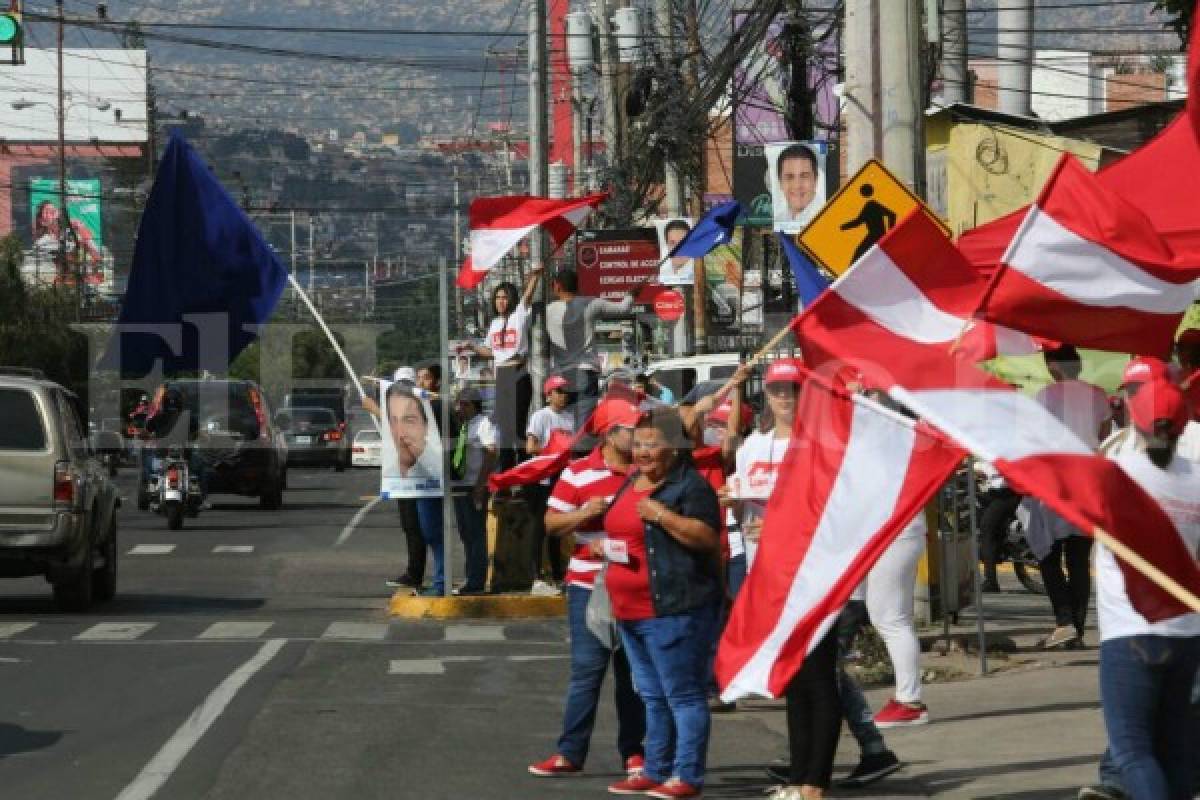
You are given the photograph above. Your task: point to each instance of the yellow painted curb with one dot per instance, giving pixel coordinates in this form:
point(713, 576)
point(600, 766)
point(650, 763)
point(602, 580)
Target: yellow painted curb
point(498, 606)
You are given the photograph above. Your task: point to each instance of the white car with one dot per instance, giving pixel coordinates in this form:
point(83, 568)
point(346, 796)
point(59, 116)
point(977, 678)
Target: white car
point(367, 449)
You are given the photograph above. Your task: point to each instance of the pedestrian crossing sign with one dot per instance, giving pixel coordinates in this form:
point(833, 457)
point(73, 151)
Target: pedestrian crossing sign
point(858, 216)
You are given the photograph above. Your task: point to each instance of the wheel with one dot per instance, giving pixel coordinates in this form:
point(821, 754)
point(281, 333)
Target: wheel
point(75, 594)
point(104, 577)
point(174, 512)
point(271, 499)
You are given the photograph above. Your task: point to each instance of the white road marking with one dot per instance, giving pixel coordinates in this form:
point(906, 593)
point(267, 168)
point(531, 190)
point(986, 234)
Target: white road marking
point(348, 531)
point(114, 631)
point(520, 659)
point(151, 549)
point(168, 758)
point(474, 633)
point(428, 666)
point(234, 548)
point(6, 660)
point(11, 629)
point(361, 631)
point(235, 630)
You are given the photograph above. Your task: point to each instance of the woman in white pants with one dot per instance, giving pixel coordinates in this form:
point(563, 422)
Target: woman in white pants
point(888, 591)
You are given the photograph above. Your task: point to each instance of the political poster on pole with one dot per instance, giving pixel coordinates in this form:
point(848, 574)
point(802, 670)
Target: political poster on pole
point(412, 444)
point(796, 177)
point(674, 271)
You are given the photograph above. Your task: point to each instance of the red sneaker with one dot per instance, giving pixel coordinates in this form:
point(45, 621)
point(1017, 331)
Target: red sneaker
point(899, 715)
point(674, 789)
point(635, 763)
point(636, 783)
point(554, 767)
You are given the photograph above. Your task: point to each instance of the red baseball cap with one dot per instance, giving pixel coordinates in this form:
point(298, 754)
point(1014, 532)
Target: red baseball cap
point(613, 412)
point(1156, 401)
point(785, 370)
point(554, 382)
point(720, 414)
point(1144, 369)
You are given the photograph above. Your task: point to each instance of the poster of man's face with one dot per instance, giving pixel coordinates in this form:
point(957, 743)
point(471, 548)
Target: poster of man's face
point(674, 271)
point(796, 177)
point(412, 450)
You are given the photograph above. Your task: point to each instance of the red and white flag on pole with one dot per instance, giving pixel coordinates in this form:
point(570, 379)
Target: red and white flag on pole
point(820, 539)
point(1088, 268)
point(498, 223)
point(1039, 456)
point(553, 459)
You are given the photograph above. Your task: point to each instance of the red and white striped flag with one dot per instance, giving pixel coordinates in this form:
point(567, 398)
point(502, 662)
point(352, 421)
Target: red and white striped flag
point(1088, 268)
point(498, 223)
point(819, 538)
point(1039, 456)
point(547, 464)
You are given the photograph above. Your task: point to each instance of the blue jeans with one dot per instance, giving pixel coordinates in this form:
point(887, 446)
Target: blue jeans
point(669, 657)
point(432, 521)
point(589, 662)
point(472, 529)
point(857, 712)
point(1145, 688)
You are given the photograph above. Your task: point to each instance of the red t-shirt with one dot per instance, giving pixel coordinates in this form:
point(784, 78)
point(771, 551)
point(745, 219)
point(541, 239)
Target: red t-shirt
point(583, 480)
point(629, 584)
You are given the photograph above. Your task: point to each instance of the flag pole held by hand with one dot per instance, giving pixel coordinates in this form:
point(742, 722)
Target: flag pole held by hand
point(1160, 579)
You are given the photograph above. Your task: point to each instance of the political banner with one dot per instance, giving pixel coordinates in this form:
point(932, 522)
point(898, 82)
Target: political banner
point(412, 445)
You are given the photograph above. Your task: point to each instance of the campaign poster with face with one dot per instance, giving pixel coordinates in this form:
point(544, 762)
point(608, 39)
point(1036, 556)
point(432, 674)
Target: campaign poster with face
point(796, 177)
point(412, 446)
point(674, 271)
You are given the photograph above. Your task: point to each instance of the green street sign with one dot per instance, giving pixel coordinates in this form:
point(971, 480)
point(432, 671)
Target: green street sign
point(10, 28)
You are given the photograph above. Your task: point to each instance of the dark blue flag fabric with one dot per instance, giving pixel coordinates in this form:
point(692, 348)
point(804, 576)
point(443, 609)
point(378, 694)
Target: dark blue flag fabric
point(714, 228)
point(809, 280)
point(203, 279)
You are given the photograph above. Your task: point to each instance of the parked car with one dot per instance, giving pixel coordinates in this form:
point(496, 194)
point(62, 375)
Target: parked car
point(313, 436)
point(367, 450)
point(245, 453)
point(682, 374)
point(58, 507)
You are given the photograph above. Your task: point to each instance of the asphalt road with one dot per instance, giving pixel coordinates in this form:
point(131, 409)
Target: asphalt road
point(250, 656)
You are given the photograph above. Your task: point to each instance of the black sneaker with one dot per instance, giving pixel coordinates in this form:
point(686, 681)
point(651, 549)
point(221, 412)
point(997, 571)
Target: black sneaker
point(404, 581)
point(781, 773)
point(1102, 792)
point(870, 769)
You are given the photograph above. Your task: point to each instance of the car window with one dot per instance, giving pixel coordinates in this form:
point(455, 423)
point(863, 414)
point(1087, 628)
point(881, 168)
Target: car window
point(22, 428)
point(74, 429)
point(722, 371)
point(368, 436)
point(309, 416)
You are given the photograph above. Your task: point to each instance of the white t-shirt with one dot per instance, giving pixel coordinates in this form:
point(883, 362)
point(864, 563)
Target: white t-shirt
point(1177, 489)
point(757, 466)
point(506, 336)
point(1082, 407)
point(481, 433)
point(544, 422)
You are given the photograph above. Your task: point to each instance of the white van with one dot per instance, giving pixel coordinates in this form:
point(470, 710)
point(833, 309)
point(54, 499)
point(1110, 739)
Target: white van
point(681, 374)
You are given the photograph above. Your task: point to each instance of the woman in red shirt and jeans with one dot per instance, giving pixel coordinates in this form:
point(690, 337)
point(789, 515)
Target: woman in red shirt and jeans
point(663, 554)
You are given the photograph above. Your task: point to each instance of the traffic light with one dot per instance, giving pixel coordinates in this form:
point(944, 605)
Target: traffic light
point(11, 33)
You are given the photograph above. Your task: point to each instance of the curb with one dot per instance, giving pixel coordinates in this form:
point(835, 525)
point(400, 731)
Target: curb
point(511, 606)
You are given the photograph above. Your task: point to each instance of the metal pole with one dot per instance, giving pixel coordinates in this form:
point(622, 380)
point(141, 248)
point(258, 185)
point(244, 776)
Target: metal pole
point(955, 75)
point(608, 82)
point(538, 167)
point(577, 171)
point(978, 590)
point(312, 256)
point(665, 31)
point(444, 422)
point(65, 231)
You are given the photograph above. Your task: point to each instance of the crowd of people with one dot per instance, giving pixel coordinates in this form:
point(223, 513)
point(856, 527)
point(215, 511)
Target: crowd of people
point(664, 502)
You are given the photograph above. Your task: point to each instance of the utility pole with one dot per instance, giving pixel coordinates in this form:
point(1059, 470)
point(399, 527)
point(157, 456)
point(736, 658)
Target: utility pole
point(1014, 52)
point(666, 38)
point(691, 77)
point(608, 82)
point(312, 257)
point(956, 80)
point(458, 295)
point(864, 137)
point(65, 232)
point(538, 168)
point(900, 47)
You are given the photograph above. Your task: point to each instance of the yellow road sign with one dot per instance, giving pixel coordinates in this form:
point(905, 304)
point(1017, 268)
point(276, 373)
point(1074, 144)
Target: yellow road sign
point(858, 216)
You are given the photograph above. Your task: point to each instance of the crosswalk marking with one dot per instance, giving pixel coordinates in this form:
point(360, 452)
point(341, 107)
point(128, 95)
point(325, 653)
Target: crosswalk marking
point(152, 549)
point(474, 633)
point(115, 631)
point(417, 666)
point(233, 548)
point(360, 631)
point(11, 629)
point(235, 630)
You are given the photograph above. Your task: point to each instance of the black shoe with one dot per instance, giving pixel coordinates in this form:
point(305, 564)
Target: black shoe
point(781, 773)
point(870, 769)
point(1102, 792)
point(404, 581)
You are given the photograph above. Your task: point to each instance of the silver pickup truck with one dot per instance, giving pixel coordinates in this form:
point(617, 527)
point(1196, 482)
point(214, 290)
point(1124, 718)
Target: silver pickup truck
point(58, 508)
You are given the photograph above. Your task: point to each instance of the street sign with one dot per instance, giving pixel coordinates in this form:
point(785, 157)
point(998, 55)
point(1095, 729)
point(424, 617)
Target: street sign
point(612, 262)
point(858, 216)
point(669, 305)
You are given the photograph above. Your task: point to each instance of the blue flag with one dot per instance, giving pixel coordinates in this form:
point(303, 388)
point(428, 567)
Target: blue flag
point(714, 228)
point(197, 254)
point(809, 280)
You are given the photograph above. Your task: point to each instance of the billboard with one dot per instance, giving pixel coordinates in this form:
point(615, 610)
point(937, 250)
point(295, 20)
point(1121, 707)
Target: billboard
point(85, 240)
point(105, 102)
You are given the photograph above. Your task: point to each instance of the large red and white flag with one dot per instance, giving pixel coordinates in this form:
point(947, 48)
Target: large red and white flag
point(819, 538)
point(553, 459)
point(904, 354)
point(498, 223)
point(1088, 268)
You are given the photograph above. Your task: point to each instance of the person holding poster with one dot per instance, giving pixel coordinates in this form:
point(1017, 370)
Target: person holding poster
point(674, 271)
point(412, 453)
point(796, 174)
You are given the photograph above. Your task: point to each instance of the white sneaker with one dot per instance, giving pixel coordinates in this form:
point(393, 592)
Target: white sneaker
point(544, 589)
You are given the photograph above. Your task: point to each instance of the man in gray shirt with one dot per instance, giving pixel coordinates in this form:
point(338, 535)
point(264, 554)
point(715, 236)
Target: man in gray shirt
point(570, 324)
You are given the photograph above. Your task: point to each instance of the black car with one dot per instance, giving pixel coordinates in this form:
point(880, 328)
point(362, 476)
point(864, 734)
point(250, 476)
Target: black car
point(314, 436)
point(235, 437)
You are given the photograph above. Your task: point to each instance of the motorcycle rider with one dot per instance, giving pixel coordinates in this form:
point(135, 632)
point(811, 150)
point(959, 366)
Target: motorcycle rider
point(173, 424)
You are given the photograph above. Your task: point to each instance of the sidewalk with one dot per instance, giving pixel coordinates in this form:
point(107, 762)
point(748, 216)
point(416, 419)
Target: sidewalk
point(1031, 729)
